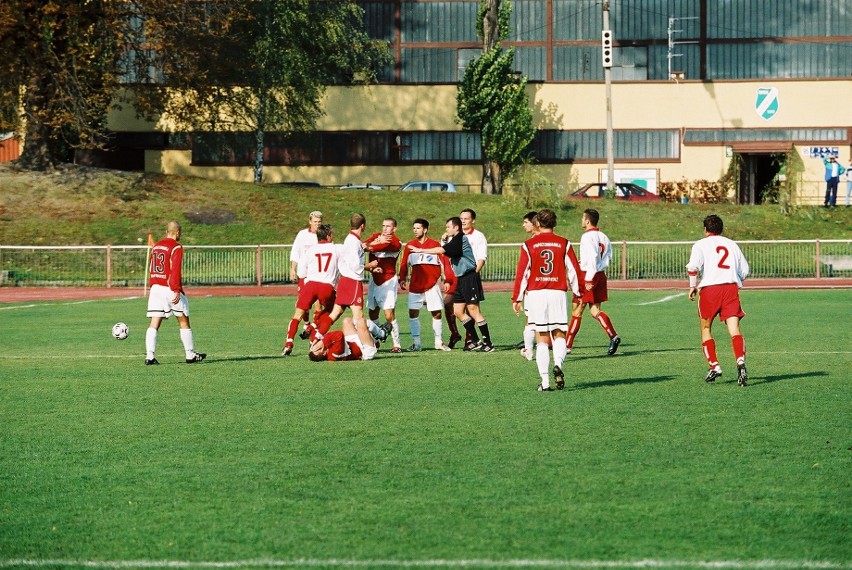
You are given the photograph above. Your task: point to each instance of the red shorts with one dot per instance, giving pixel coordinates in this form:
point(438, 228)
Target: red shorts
point(350, 293)
point(722, 300)
point(598, 292)
point(313, 291)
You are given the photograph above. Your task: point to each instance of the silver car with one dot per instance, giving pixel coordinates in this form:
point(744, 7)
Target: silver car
point(428, 186)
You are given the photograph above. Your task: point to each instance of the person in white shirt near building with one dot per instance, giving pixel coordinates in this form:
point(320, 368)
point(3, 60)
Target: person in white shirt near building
point(723, 268)
point(595, 255)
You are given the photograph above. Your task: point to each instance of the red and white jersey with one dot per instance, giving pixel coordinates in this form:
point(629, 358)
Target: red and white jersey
point(547, 261)
point(166, 262)
point(719, 260)
point(304, 239)
point(478, 244)
point(386, 254)
point(595, 253)
point(425, 267)
point(318, 264)
point(350, 257)
point(339, 348)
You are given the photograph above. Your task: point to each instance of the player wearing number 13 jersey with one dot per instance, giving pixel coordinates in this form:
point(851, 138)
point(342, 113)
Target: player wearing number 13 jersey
point(723, 269)
point(547, 268)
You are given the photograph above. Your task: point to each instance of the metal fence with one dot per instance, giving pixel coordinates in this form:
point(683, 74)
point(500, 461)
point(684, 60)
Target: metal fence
point(124, 266)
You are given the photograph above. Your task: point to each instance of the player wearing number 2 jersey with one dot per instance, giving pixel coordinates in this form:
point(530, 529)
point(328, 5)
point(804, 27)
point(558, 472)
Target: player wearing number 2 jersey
point(547, 268)
point(723, 269)
point(317, 273)
point(595, 255)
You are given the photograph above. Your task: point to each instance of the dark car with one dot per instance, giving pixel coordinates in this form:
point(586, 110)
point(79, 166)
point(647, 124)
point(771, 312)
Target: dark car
point(624, 191)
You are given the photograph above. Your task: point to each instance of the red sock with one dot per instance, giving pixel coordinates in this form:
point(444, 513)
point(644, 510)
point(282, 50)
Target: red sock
point(573, 328)
point(738, 342)
point(324, 323)
point(710, 353)
point(606, 324)
point(291, 330)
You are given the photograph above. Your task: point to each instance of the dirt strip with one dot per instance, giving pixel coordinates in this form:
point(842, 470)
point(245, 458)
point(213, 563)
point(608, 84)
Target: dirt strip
point(36, 294)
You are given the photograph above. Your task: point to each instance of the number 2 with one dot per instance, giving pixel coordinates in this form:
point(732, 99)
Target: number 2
point(724, 251)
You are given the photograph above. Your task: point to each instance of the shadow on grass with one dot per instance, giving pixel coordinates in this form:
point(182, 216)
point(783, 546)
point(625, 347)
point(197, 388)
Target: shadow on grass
point(216, 360)
point(606, 383)
point(778, 377)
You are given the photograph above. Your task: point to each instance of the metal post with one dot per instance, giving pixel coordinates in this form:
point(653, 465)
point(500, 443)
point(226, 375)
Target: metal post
point(610, 160)
point(817, 261)
point(624, 260)
point(108, 266)
point(258, 266)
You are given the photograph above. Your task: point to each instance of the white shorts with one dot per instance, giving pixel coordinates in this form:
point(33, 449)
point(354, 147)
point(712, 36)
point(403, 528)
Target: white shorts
point(367, 352)
point(433, 299)
point(382, 296)
point(160, 303)
point(547, 310)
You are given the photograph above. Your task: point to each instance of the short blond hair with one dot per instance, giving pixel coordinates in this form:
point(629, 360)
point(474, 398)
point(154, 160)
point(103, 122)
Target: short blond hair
point(315, 214)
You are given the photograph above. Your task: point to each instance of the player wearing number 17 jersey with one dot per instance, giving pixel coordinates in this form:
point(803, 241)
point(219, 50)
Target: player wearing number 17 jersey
point(723, 269)
point(317, 273)
point(547, 268)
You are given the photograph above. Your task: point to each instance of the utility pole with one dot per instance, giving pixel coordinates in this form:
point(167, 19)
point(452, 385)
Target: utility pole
point(607, 54)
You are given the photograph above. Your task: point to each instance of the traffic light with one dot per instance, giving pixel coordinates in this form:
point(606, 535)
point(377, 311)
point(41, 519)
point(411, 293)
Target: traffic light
point(606, 48)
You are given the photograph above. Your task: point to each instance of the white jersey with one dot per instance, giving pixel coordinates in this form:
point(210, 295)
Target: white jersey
point(595, 253)
point(350, 260)
point(719, 260)
point(478, 244)
point(318, 264)
point(304, 239)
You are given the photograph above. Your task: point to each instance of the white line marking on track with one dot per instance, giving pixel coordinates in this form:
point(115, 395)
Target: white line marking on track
point(473, 563)
point(32, 305)
point(665, 299)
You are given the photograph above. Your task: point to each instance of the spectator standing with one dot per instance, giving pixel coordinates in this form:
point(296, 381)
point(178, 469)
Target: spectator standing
point(425, 283)
point(382, 292)
point(833, 170)
point(723, 268)
point(848, 185)
point(595, 255)
point(166, 297)
point(547, 268)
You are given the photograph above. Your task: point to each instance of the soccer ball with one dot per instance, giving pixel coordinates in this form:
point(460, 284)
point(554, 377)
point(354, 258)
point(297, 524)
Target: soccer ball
point(120, 331)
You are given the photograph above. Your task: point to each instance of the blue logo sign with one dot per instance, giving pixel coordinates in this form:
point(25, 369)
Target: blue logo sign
point(766, 104)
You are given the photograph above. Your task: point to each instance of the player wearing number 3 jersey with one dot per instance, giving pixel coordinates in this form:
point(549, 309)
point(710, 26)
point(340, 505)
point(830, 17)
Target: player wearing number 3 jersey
point(547, 268)
point(723, 269)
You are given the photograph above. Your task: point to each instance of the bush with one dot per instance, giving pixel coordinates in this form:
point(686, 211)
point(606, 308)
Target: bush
point(702, 191)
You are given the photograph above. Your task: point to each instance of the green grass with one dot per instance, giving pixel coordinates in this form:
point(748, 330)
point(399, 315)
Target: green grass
point(84, 206)
point(428, 457)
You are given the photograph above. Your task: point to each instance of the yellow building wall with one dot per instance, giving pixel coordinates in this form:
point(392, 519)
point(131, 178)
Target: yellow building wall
point(574, 106)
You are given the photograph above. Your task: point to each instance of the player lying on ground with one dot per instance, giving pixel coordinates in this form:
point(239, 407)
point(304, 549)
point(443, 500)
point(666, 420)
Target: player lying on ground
point(348, 343)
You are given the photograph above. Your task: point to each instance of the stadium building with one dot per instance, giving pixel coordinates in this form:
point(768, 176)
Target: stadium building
point(699, 88)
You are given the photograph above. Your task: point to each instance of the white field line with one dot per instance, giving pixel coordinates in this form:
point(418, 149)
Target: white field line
point(473, 563)
point(439, 563)
point(31, 305)
point(663, 300)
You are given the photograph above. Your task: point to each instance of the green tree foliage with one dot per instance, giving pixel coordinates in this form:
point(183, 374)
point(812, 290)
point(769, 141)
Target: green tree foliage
point(492, 100)
point(58, 74)
point(251, 66)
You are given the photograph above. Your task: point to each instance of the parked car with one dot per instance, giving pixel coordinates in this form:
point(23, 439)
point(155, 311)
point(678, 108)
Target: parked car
point(623, 191)
point(428, 186)
point(367, 186)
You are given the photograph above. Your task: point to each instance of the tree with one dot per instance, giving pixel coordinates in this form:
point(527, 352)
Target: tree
point(492, 100)
point(59, 71)
point(256, 66)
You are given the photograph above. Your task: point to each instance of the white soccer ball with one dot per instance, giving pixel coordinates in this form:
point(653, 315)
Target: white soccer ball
point(120, 331)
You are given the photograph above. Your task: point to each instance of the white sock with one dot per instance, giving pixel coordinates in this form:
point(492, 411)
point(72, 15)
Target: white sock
point(395, 332)
point(542, 361)
point(560, 351)
point(438, 329)
point(529, 338)
point(150, 343)
point(414, 323)
point(188, 344)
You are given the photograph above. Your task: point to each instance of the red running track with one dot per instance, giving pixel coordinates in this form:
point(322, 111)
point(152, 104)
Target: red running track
point(33, 294)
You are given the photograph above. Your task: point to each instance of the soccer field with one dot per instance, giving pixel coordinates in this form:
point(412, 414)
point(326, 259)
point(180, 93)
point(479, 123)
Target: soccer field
point(427, 460)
